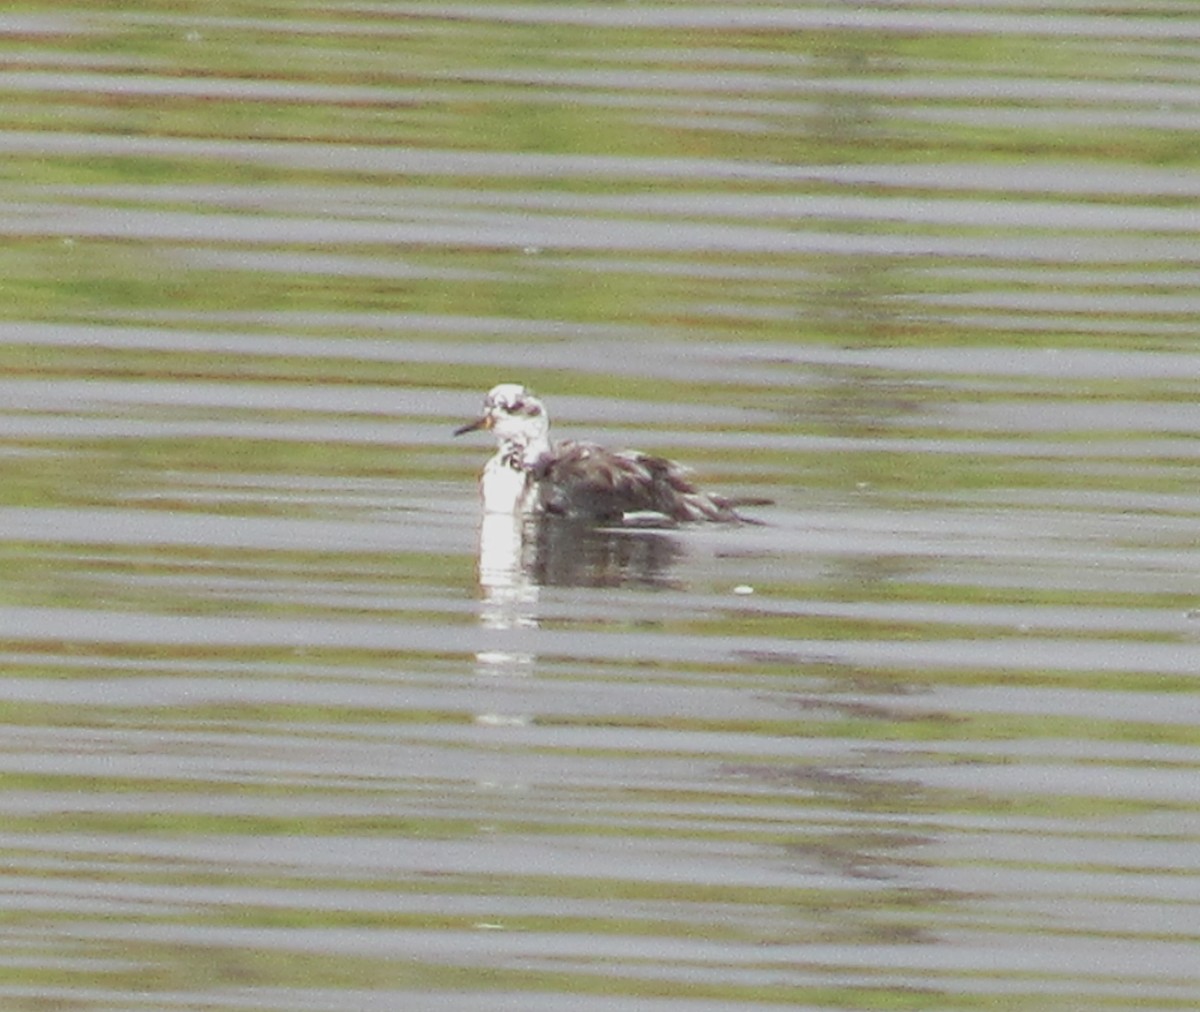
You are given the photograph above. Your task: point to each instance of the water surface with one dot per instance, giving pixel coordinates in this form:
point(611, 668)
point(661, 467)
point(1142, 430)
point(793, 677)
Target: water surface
point(286, 726)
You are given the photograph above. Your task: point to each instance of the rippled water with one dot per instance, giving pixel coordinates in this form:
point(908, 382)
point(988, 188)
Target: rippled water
point(286, 727)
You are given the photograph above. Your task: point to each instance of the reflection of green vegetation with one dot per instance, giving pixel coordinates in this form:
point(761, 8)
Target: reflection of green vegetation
point(288, 964)
point(463, 80)
point(208, 580)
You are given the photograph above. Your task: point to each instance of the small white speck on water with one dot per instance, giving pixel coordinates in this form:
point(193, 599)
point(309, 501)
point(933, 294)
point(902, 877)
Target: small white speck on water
point(743, 589)
point(500, 720)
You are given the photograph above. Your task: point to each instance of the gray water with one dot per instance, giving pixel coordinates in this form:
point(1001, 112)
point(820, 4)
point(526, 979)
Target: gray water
point(286, 727)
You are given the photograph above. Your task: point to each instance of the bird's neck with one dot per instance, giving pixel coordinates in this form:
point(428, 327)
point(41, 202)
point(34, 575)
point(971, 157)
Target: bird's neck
point(523, 454)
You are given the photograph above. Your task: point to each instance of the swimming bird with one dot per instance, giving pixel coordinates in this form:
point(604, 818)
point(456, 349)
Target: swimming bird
point(531, 475)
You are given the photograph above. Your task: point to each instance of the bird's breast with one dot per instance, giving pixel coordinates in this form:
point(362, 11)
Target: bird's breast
point(504, 488)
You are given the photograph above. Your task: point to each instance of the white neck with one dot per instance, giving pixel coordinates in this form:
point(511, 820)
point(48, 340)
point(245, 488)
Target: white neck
point(533, 450)
point(506, 485)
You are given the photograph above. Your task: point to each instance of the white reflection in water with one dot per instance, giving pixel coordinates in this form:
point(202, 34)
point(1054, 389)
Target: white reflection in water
point(519, 555)
point(510, 594)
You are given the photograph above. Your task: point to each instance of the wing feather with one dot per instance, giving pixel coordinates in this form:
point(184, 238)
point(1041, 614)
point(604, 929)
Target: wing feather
point(586, 480)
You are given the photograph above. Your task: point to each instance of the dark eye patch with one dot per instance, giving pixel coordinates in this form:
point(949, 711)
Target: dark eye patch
point(516, 406)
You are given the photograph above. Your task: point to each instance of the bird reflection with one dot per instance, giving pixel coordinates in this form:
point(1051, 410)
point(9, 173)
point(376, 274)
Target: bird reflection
point(567, 553)
point(510, 597)
point(518, 555)
point(541, 551)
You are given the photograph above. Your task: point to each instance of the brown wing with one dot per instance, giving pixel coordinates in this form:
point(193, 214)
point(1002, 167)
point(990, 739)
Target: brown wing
point(585, 480)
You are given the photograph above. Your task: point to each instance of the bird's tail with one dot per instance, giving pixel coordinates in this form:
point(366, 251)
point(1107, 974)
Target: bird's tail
point(702, 506)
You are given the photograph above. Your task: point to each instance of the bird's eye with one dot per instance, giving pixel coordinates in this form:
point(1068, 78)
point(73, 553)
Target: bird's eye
point(533, 410)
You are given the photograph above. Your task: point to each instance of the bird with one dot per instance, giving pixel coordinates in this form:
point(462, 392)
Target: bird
point(530, 475)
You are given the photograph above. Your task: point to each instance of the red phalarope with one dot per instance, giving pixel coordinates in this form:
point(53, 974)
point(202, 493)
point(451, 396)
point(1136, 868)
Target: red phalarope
point(530, 475)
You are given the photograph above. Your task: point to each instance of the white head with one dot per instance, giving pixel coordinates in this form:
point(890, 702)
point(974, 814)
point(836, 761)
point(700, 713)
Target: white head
point(517, 419)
